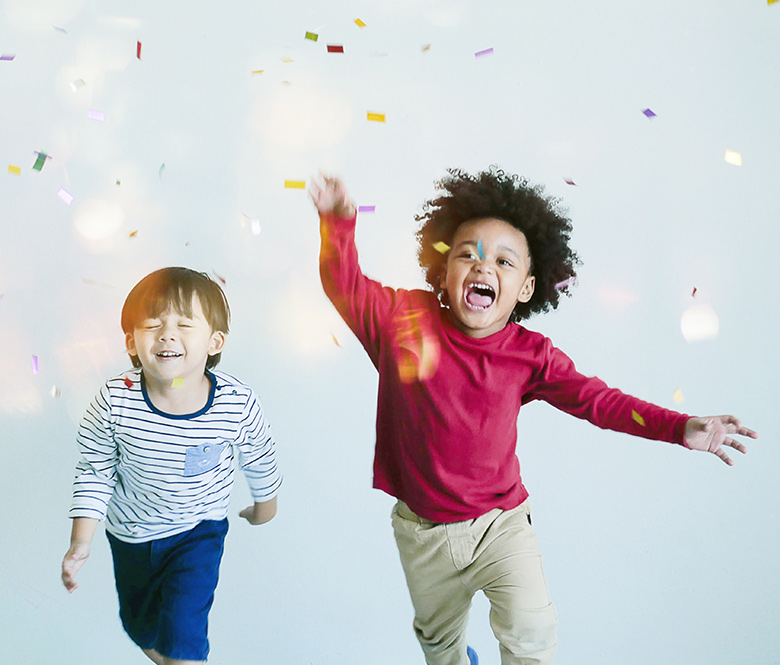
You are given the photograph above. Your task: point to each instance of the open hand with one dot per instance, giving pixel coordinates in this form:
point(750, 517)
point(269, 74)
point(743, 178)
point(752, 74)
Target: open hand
point(710, 434)
point(74, 559)
point(330, 196)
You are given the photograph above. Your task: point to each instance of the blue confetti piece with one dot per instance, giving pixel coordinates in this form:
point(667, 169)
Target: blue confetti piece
point(479, 250)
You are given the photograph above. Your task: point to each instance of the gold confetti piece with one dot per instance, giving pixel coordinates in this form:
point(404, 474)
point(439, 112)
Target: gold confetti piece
point(178, 382)
point(133, 234)
point(16, 170)
point(360, 23)
point(678, 396)
point(375, 117)
point(258, 71)
point(638, 418)
point(313, 36)
point(441, 247)
point(733, 158)
point(287, 60)
point(771, 2)
point(335, 339)
point(295, 184)
point(426, 47)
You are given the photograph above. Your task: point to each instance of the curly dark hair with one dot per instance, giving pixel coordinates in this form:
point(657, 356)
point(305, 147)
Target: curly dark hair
point(511, 198)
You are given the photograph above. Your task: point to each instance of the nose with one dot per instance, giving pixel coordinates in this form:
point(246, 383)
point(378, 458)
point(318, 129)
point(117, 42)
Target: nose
point(167, 333)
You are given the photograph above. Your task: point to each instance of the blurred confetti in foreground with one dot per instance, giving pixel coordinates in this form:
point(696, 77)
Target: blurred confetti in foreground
point(678, 396)
point(482, 54)
point(35, 368)
point(16, 170)
point(66, 196)
point(733, 158)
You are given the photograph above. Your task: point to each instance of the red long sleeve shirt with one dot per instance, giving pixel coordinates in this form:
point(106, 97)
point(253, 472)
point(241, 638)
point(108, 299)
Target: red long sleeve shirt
point(448, 403)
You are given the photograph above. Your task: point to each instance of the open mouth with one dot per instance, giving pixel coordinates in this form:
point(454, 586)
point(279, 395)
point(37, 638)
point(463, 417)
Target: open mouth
point(479, 296)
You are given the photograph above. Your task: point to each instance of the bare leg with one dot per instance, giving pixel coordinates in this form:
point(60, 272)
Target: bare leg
point(155, 657)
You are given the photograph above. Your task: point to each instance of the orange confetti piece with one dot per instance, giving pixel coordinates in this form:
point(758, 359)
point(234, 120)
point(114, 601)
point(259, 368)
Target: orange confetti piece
point(16, 170)
point(441, 247)
point(360, 23)
point(295, 184)
point(638, 418)
point(133, 234)
point(375, 117)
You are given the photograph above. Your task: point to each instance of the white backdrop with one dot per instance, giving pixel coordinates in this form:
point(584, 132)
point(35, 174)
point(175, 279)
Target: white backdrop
point(653, 553)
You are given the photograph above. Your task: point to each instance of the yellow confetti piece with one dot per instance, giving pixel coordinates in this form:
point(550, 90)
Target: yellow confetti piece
point(441, 247)
point(287, 60)
point(360, 23)
point(178, 382)
point(375, 117)
point(335, 339)
point(426, 47)
point(257, 71)
point(638, 418)
point(678, 396)
point(295, 184)
point(16, 170)
point(771, 2)
point(733, 158)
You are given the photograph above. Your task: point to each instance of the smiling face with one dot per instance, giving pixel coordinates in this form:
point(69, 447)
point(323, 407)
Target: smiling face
point(486, 275)
point(173, 345)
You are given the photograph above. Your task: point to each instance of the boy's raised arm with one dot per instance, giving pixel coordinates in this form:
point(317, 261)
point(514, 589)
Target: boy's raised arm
point(711, 433)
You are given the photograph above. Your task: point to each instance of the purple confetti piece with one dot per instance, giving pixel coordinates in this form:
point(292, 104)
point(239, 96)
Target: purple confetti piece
point(565, 283)
point(366, 208)
point(649, 113)
point(7, 56)
point(35, 368)
point(480, 54)
point(97, 115)
point(65, 196)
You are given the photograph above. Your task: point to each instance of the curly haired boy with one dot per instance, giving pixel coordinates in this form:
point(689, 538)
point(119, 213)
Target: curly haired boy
point(454, 369)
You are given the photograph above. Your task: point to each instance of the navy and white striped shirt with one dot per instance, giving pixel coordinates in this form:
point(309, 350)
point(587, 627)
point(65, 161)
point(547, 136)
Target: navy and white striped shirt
point(153, 474)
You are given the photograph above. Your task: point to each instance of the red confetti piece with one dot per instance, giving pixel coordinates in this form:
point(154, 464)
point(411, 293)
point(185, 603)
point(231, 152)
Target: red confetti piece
point(569, 181)
point(128, 382)
point(333, 48)
point(693, 293)
point(220, 278)
point(138, 50)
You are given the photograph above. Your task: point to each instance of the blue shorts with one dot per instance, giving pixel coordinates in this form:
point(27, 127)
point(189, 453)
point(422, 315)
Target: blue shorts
point(166, 588)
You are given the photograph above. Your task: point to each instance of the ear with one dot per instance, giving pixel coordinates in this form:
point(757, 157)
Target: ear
point(130, 344)
point(217, 343)
point(527, 290)
point(443, 277)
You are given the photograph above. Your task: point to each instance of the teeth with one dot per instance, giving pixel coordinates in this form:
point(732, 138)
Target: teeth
point(168, 354)
point(480, 285)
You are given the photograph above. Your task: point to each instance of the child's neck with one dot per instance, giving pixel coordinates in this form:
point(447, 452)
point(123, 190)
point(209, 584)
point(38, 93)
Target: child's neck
point(179, 400)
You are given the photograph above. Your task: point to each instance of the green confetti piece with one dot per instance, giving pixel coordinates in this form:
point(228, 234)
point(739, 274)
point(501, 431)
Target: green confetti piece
point(312, 35)
point(40, 161)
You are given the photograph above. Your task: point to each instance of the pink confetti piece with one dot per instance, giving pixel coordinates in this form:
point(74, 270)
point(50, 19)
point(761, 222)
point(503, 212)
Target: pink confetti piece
point(128, 382)
point(335, 48)
point(138, 50)
point(649, 113)
point(569, 181)
point(482, 54)
point(565, 283)
point(366, 208)
point(35, 368)
point(97, 115)
point(65, 196)
point(7, 56)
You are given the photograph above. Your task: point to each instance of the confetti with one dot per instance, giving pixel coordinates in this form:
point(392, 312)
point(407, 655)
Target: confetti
point(335, 339)
point(42, 157)
point(78, 83)
point(699, 322)
point(638, 418)
point(565, 283)
point(35, 368)
point(128, 382)
point(133, 234)
point(313, 36)
point(295, 184)
point(479, 250)
point(7, 56)
point(771, 2)
point(366, 208)
point(255, 227)
point(335, 48)
point(426, 47)
point(693, 293)
point(62, 30)
point(178, 382)
point(16, 170)
point(257, 71)
point(55, 392)
point(118, 182)
point(733, 158)
point(569, 181)
point(375, 117)
point(441, 247)
point(138, 50)
point(100, 116)
point(287, 60)
point(649, 113)
point(359, 23)
point(65, 196)
point(678, 396)
point(219, 277)
point(162, 169)
point(480, 54)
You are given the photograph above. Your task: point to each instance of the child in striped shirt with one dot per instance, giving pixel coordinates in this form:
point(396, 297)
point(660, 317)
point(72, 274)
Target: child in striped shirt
point(157, 447)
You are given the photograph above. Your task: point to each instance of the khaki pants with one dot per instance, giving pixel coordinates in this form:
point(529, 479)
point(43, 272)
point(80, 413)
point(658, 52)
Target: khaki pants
point(446, 564)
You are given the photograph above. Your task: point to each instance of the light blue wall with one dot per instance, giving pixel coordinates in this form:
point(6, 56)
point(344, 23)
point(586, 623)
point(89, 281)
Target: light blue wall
point(653, 554)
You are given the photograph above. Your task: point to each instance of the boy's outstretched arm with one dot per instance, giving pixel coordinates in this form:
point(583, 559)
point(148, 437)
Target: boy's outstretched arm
point(82, 532)
point(710, 434)
point(330, 196)
point(260, 512)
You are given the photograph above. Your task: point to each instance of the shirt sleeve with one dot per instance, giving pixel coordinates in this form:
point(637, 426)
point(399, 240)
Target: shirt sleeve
point(96, 471)
point(257, 453)
point(589, 398)
point(364, 304)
